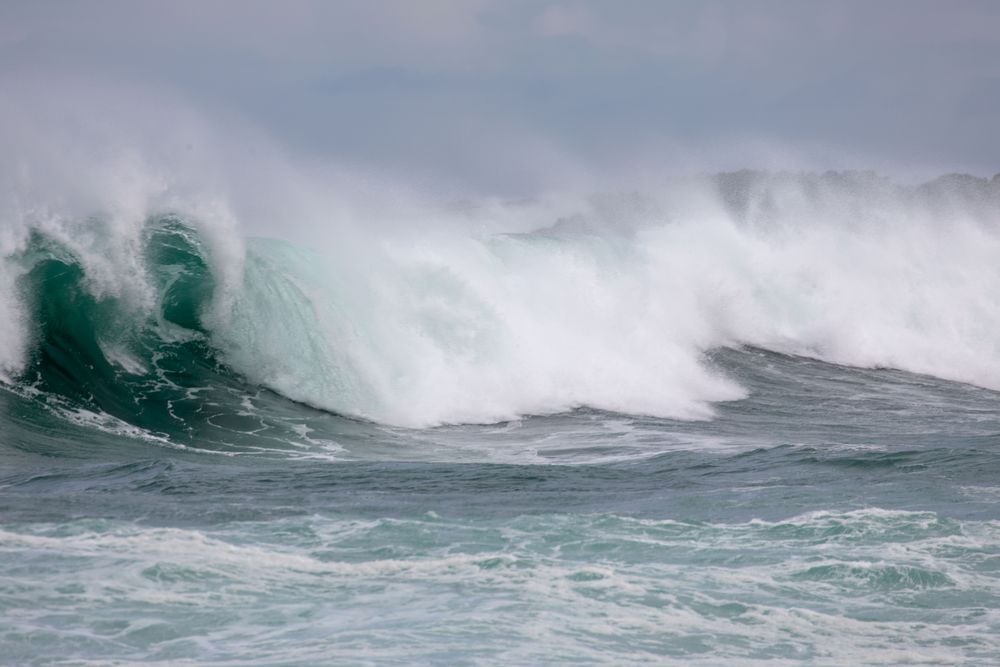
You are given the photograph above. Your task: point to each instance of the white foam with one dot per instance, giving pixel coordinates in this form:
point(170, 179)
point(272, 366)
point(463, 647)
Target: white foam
point(533, 588)
point(466, 327)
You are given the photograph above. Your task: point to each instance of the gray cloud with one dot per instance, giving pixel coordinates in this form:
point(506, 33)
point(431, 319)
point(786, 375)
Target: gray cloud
point(501, 95)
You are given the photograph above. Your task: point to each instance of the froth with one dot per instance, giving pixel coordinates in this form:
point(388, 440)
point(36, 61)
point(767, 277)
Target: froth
point(615, 304)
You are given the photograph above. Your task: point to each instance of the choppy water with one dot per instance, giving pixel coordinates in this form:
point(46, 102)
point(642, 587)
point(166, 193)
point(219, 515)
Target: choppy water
point(811, 489)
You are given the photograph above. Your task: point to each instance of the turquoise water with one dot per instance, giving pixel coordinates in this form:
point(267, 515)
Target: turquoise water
point(165, 501)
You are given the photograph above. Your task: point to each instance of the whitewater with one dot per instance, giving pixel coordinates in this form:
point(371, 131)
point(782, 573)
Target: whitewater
point(724, 419)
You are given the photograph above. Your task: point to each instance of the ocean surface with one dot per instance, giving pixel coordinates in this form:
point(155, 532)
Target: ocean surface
point(753, 420)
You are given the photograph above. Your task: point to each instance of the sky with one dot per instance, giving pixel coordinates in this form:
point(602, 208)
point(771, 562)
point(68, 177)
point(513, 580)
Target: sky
point(511, 95)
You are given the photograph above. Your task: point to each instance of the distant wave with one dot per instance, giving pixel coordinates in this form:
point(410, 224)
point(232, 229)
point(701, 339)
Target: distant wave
point(613, 305)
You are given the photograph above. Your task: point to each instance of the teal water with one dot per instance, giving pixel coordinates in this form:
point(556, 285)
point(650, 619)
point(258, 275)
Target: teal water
point(159, 506)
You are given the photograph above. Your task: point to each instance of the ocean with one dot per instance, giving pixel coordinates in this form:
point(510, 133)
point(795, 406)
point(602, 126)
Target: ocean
point(753, 419)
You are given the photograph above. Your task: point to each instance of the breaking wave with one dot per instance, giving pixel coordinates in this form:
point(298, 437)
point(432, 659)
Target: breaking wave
point(611, 301)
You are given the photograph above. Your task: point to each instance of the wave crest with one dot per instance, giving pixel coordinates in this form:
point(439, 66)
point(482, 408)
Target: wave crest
point(612, 305)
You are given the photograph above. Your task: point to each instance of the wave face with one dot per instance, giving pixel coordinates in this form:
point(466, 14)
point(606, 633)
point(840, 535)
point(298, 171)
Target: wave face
point(613, 305)
point(132, 356)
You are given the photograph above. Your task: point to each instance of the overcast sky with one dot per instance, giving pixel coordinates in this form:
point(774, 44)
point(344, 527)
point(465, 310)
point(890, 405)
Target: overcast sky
point(495, 94)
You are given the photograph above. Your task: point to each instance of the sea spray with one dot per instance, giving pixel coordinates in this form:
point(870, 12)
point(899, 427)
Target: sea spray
point(613, 306)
